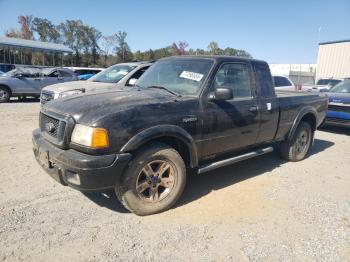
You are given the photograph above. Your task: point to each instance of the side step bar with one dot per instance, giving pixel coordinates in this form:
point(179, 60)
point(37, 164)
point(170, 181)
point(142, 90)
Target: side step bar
point(235, 159)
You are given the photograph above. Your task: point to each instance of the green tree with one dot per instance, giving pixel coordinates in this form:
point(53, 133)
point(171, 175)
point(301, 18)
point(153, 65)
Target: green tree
point(107, 44)
point(122, 49)
point(213, 48)
point(72, 33)
point(243, 53)
point(95, 37)
point(46, 30)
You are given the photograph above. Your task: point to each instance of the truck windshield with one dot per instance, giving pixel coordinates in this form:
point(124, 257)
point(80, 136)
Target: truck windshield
point(343, 87)
point(112, 74)
point(181, 76)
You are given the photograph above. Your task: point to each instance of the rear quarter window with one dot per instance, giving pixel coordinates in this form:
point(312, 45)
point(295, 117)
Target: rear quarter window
point(264, 80)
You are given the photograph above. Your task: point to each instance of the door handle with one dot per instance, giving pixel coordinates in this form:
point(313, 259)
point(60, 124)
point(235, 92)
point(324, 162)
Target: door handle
point(253, 109)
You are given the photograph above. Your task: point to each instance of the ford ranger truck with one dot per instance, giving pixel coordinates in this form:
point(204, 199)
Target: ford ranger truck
point(187, 113)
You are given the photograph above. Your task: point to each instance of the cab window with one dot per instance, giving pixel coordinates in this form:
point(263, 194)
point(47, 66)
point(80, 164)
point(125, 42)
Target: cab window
point(236, 77)
point(264, 80)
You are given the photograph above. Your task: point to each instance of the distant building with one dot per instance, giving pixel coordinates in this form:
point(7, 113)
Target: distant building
point(333, 60)
point(298, 73)
point(22, 51)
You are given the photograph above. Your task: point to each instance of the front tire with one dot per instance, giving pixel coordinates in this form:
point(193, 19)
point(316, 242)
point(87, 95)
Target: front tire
point(296, 148)
point(153, 182)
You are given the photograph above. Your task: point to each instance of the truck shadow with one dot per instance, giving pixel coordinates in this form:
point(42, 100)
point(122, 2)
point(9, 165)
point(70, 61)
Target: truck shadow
point(106, 199)
point(201, 185)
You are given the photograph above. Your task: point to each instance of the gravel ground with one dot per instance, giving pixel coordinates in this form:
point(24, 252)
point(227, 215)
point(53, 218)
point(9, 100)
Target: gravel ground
point(258, 210)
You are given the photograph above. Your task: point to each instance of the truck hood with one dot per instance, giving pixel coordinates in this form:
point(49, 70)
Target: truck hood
point(89, 108)
point(341, 98)
point(87, 85)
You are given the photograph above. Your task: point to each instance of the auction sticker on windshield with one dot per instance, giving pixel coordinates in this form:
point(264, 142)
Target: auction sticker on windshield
point(191, 75)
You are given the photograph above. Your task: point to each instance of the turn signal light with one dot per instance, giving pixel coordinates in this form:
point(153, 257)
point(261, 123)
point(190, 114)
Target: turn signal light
point(99, 138)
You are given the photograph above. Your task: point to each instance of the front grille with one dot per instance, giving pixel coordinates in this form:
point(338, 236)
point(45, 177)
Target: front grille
point(46, 97)
point(49, 125)
point(339, 108)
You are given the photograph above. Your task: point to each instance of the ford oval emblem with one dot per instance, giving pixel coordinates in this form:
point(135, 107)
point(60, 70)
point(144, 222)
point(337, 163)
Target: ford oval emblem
point(50, 127)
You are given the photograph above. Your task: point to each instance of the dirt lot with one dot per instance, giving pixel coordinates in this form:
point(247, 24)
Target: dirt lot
point(261, 209)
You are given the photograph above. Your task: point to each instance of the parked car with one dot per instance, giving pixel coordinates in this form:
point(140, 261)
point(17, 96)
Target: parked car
point(283, 83)
point(191, 112)
point(85, 76)
point(7, 67)
point(339, 105)
point(28, 81)
point(84, 73)
point(323, 84)
point(116, 76)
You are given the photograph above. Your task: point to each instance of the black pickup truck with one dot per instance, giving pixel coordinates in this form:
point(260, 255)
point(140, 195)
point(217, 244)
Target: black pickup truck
point(185, 113)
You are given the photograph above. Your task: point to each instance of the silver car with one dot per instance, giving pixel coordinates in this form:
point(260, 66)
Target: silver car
point(28, 81)
point(114, 77)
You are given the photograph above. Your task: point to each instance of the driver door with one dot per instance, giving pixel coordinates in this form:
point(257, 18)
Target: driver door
point(233, 124)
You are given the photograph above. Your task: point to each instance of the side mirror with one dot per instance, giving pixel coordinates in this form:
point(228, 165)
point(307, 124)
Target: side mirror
point(19, 76)
point(222, 94)
point(132, 81)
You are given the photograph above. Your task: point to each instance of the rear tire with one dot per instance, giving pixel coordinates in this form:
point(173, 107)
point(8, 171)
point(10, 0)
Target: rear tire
point(4, 94)
point(153, 182)
point(296, 148)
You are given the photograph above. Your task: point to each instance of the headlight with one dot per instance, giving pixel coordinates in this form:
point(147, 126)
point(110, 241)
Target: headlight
point(90, 136)
point(70, 93)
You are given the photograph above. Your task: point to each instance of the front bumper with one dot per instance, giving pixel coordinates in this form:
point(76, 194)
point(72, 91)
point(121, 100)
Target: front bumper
point(338, 118)
point(78, 170)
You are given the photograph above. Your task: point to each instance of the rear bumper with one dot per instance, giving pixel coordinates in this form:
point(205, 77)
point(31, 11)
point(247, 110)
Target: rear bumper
point(78, 170)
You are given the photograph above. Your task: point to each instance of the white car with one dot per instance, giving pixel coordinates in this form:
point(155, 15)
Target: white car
point(283, 83)
point(325, 84)
point(114, 77)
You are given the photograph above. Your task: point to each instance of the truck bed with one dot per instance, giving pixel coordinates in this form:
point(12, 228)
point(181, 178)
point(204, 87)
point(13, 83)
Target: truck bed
point(284, 94)
point(291, 104)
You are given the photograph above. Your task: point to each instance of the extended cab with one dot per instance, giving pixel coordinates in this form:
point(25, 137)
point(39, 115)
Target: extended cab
point(185, 113)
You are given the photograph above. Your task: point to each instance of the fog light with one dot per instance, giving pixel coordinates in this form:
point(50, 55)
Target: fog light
point(72, 178)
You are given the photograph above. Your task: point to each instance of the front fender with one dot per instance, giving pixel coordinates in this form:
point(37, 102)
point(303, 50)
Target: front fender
point(163, 131)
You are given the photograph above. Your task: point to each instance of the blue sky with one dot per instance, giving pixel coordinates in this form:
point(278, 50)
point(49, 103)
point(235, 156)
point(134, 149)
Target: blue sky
point(276, 31)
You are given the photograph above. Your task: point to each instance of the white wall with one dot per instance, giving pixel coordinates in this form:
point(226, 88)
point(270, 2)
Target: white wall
point(285, 69)
point(333, 60)
point(298, 73)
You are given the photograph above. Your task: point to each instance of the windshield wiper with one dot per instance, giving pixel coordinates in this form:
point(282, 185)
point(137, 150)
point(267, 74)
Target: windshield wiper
point(166, 89)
